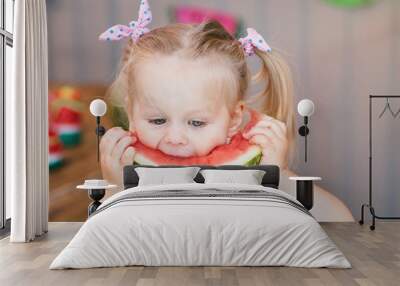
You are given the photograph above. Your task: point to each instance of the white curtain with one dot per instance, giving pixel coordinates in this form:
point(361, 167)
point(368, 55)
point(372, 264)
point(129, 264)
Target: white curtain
point(27, 124)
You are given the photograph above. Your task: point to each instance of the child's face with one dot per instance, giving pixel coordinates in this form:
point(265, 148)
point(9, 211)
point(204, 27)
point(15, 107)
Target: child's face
point(179, 107)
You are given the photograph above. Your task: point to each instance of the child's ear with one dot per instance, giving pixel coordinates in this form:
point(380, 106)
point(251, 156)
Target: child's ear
point(236, 120)
point(129, 111)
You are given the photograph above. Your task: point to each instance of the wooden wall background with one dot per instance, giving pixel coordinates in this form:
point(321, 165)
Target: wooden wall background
point(338, 56)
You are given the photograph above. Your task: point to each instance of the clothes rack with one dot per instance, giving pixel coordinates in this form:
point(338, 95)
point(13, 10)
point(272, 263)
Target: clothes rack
point(370, 205)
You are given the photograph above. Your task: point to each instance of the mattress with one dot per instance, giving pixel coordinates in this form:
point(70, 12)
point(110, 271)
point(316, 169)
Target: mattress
point(201, 225)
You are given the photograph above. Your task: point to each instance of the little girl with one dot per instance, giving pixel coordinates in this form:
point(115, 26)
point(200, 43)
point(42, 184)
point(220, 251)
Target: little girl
point(184, 90)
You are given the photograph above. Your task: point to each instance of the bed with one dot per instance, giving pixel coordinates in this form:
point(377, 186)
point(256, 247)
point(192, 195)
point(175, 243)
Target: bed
point(201, 224)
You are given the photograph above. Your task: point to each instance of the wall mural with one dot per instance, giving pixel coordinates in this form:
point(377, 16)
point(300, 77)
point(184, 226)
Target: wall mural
point(80, 64)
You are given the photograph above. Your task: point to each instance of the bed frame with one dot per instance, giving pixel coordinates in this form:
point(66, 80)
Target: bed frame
point(270, 179)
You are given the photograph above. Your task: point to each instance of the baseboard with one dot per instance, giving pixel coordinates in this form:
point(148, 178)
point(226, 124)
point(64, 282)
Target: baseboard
point(5, 231)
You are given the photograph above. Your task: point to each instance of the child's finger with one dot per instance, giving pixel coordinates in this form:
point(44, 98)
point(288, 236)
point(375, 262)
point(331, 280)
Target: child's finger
point(134, 139)
point(266, 131)
point(120, 147)
point(274, 125)
point(132, 135)
point(128, 156)
point(267, 127)
point(262, 141)
point(110, 138)
point(281, 125)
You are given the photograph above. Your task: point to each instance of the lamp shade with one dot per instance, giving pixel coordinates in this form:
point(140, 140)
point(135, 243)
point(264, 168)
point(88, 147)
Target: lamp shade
point(98, 107)
point(305, 107)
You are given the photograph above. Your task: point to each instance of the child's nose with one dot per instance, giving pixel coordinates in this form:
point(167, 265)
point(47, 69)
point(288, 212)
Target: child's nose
point(176, 136)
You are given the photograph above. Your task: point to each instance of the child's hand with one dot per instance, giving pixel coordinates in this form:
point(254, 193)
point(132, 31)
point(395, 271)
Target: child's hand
point(271, 135)
point(115, 153)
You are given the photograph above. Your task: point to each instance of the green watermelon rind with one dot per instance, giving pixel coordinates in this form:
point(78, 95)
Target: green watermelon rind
point(255, 161)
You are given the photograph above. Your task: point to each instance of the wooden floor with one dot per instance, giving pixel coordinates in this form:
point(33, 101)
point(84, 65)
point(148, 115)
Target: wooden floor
point(375, 257)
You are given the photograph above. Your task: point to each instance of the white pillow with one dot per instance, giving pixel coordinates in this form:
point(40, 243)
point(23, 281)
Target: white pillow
point(162, 176)
point(248, 177)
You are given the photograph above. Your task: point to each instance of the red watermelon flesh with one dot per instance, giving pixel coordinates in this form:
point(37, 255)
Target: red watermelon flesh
point(238, 152)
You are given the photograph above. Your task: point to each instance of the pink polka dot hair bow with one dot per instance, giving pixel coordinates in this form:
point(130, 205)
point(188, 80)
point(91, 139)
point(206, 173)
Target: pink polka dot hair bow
point(135, 30)
point(254, 40)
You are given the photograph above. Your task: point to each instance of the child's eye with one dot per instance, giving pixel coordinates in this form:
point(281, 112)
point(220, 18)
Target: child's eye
point(158, 121)
point(196, 123)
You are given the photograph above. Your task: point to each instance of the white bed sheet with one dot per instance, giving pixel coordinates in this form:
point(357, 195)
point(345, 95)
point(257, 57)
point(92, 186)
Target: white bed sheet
point(200, 231)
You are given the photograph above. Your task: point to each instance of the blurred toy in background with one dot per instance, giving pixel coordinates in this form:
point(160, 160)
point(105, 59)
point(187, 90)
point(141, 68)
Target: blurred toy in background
point(195, 15)
point(66, 110)
point(56, 157)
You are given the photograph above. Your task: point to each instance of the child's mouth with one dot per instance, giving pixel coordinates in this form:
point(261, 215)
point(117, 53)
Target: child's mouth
point(177, 151)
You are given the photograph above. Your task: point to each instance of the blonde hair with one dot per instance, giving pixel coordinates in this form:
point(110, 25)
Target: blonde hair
point(202, 40)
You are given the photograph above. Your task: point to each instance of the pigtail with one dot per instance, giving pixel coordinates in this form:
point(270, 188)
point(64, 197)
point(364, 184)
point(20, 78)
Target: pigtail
point(118, 91)
point(277, 96)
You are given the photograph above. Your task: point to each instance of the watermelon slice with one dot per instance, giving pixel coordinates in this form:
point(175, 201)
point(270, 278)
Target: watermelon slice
point(238, 152)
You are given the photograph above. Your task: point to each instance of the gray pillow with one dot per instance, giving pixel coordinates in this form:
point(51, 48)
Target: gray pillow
point(248, 177)
point(162, 176)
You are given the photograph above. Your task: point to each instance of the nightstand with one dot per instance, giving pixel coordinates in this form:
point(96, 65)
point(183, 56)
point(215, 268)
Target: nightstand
point(96, 190)
point(304, 190)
